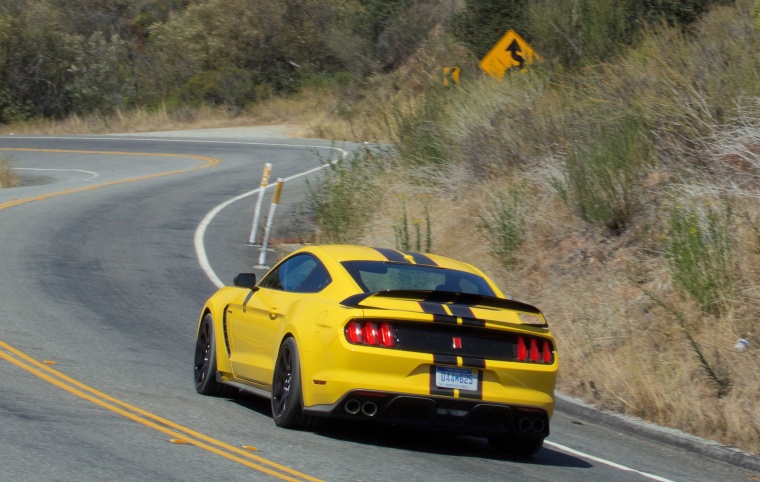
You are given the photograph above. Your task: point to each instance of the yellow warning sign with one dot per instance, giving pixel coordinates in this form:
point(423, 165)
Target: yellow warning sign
point(450, 75)
point(510, 51)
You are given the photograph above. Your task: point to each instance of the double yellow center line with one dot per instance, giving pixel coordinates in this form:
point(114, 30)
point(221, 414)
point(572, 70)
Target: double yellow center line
point(208, 162)
point(177, 432)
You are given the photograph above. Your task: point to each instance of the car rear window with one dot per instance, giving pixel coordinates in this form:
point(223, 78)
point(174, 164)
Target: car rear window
point(374, 276)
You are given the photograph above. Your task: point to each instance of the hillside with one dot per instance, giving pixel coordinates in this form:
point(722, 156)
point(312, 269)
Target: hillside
point(619, 197)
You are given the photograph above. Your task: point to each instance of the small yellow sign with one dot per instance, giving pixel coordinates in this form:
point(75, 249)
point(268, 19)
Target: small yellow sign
point(450, 75)
point(510, 51)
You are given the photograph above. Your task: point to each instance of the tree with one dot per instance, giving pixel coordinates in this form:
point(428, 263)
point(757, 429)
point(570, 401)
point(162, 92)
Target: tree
point(483, 22)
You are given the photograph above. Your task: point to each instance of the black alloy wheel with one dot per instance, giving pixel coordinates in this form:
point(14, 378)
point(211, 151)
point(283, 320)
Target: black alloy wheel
point(287, 408)
point(205, 362)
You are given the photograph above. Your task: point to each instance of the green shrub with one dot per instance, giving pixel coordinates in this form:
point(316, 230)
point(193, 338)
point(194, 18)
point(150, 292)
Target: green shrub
point(505, 226)
point(344, 198)
point(418, 133)
point(605, 173)
point(401, 230)
point(229, 86)
point(596, 30)
point(483, 22)
point(674, 12)
point(700, 253)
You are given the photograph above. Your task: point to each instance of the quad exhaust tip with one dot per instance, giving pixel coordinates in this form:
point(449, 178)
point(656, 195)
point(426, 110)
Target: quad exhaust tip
point(528, 424)
point(354, 406)
point(369, 409)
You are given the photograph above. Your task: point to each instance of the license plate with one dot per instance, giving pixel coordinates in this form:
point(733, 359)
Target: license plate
point(460, 378)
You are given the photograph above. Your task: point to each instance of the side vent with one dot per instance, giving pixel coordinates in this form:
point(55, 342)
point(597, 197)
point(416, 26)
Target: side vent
point(224, 330)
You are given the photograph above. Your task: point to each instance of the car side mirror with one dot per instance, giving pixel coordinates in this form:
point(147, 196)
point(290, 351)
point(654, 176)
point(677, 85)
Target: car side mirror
point(245, 280)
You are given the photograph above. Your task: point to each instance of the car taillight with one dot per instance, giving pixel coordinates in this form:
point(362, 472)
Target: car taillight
point(547, 352)
point(387, 335)
point(354, 333)
point(369, 333)
point(533, 350)
point(522, 352)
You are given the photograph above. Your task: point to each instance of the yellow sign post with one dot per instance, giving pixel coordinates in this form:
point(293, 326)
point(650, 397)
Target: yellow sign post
point(510, 51)
point(450, 75)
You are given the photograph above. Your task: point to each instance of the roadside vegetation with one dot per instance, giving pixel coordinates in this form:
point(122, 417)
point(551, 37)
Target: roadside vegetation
point(7, 176)
point(614, 184)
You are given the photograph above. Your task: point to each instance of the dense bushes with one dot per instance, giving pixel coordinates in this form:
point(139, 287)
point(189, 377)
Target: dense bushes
point(571, 33)
point(60, 57)
point(63, 57)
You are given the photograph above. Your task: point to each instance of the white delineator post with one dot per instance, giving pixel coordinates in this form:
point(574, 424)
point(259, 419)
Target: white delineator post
point(270, 219)
point(259, 202)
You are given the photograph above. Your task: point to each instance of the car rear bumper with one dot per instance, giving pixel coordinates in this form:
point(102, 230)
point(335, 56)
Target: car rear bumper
point(475, 417)
point(330, 376)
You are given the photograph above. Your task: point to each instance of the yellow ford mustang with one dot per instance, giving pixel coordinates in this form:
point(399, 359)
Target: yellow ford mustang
point(382, 335)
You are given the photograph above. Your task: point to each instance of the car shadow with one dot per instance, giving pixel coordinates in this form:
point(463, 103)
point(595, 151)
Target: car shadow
point(253, 402)
point(415, 439)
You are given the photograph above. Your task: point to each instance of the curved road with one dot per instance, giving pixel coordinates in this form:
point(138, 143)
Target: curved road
point(100, 289)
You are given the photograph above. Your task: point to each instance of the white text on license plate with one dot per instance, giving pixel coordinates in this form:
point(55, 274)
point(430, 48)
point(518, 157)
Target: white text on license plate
point(461, 378)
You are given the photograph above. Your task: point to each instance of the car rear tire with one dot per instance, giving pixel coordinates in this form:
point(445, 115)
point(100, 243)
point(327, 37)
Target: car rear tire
point(515, 445)
point(287, 407)
point(205, 362)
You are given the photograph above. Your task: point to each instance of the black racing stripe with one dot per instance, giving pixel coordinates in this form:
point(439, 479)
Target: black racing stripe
point(461, 311)
point(451, 320)
point(445, 360)
point(435, 390)
point(457, 311)
point(473, 362)
point(392, 255)
point(474, 322)
point(439, 313)
point(477, 394)
point(420, 258)
point(433, 308)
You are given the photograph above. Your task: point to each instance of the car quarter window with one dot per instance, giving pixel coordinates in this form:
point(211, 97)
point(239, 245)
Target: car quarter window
point(302, 273)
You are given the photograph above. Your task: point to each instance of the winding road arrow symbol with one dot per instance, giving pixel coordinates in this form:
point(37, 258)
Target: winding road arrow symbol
point(515, 49)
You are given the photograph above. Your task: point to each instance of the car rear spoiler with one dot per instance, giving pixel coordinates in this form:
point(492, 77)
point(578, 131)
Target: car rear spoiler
point(447, 297)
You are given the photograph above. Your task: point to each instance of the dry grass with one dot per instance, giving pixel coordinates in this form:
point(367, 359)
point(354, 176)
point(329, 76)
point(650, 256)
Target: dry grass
point(619, 348)
point(7, 177)
point(299, 112)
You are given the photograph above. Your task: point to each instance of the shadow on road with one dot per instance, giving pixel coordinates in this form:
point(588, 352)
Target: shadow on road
point(417, 440)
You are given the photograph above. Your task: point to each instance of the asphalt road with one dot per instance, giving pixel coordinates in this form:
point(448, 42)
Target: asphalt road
point(100, 289)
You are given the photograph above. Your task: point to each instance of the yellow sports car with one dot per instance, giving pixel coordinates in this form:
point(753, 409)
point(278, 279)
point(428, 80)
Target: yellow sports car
point(382, 335)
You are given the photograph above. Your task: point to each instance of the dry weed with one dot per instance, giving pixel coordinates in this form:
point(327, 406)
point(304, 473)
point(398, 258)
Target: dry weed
point(297, 112)
point(7, 177)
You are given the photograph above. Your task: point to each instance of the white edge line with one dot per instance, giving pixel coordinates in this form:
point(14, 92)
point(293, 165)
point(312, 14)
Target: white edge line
point(606, 462)
point(93, 175)
point(200, 231)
